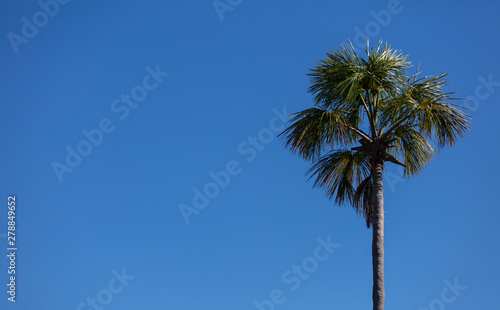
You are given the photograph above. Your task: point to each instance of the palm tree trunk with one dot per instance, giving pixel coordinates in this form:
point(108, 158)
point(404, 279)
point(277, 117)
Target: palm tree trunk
point(378, 239)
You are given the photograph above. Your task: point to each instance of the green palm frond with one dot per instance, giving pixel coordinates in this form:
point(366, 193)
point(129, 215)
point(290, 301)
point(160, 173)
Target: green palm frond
point(343, 76)
point(386, 68)
point(314, 130)
point(424, 104)
point(412, 149)
point(339, 172)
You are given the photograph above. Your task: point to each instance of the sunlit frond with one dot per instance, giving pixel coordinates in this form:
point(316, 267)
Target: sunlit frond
point(343, 76)
point(425, 105)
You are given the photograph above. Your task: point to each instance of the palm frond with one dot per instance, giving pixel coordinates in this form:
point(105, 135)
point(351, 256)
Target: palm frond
point(315, 130)
point(413, 149)
point(339, 172)
point(424, 104)
point(386, 69)
point(337, 79)
point(344, 75)
point(362, 200)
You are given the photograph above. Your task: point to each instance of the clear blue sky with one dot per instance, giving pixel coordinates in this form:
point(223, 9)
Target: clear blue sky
point(206, 92)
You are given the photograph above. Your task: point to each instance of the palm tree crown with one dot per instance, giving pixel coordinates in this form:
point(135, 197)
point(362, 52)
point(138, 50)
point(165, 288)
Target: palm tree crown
point(375, 102)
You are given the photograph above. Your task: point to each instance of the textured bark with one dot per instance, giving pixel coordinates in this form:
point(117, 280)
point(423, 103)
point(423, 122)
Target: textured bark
point(378, 239)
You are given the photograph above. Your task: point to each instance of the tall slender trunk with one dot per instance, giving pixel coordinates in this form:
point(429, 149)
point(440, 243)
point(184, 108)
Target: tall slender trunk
point(378, 238)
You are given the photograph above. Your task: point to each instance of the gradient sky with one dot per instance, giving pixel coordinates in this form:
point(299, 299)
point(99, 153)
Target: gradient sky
point(207, 92)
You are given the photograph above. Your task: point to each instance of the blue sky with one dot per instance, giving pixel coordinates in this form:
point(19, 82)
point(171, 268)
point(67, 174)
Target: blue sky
point(207, 91)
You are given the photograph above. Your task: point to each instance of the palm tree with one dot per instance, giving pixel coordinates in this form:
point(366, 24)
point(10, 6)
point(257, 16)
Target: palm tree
point(393, 115)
